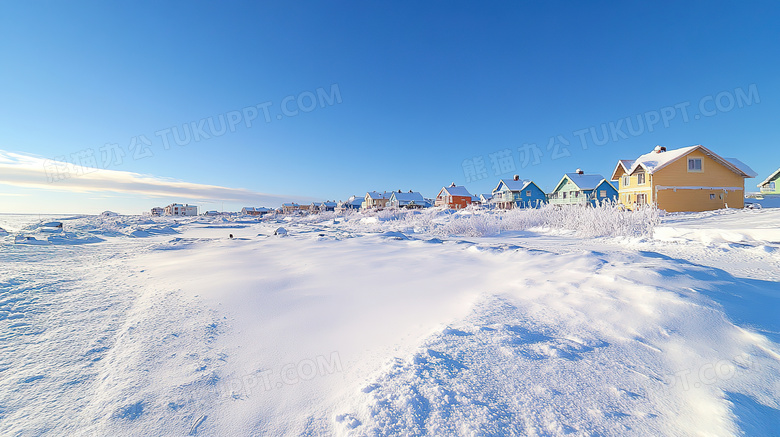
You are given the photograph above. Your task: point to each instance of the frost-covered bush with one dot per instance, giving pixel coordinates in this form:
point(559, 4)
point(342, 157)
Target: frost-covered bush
point(606, 220)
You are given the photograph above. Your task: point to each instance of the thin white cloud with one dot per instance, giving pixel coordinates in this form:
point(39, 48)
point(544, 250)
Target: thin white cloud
point(34, 172)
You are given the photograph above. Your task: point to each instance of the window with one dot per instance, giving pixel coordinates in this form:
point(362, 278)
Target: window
point(712, 196)
point(640, 178)
point(603, 193)
point(564, 194)
point(641, 199)
point(694, 164)
point(626, 180)
point(528, 193)
point(720, 196)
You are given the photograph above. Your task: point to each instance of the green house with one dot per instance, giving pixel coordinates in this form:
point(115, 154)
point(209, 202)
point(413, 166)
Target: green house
point(582, 189)
point(771, 185)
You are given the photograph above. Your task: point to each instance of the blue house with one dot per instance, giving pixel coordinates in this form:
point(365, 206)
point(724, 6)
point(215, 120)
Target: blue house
point(582, 189)
point(516, 193)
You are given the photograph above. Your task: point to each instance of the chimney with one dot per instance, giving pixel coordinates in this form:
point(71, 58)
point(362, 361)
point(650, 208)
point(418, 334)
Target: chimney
point(579, 171)
point(453, 184)
point(517, 177)
point(659, 149)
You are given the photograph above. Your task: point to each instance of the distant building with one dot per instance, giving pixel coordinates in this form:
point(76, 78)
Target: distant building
point(288, 208)
point(179, 210)
point(376, 200)
point(410, 200)
point(771, 185)
point(454, 197)
point(517, 193)
point(211, 213)
point(251, 210)
point(579, 188)
point(157, 211)
point(353, 203)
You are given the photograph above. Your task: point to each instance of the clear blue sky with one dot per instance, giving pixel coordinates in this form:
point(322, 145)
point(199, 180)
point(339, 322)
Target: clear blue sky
point(422, 89)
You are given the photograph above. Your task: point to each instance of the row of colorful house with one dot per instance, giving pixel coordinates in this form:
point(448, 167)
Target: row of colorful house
point(691, 178)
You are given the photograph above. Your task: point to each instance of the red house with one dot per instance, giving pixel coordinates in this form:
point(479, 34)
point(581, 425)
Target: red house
point(454, 197)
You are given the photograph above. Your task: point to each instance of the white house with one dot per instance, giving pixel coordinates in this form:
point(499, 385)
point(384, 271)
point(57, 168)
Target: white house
point(157, 211)
point(177, 209)
point(376, 200)
point(410, 200)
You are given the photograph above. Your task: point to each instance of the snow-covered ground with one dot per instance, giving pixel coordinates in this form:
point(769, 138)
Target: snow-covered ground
point(537, 323)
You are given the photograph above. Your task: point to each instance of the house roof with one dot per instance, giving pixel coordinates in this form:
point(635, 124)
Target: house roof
point(582, 181)
point(457, 190)
point(744, 168)
point(405, 198)
point(378, 196)
point(654, 161)
point(769, 179)
point(608, 183)
point(512, 184)
point(329, 204)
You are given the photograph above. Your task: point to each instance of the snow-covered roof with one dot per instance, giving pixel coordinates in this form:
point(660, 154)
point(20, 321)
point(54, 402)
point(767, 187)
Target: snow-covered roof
point(289, 204)
point(378, 196)
point(405, 198)
point(512, 184)
point(654, 161)
point(769, 179)
point(744, 168)
point(329, 204)
point(457, 190)
point(585, 181)
point(608, 183)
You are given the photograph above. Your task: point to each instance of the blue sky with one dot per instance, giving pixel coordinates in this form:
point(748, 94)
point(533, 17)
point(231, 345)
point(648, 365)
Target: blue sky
point(406, 95)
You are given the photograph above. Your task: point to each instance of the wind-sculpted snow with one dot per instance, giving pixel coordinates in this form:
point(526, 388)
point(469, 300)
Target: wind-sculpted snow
point(526, 322)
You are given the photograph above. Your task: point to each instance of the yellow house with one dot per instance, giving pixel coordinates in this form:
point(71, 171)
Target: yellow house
point(688, 179)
